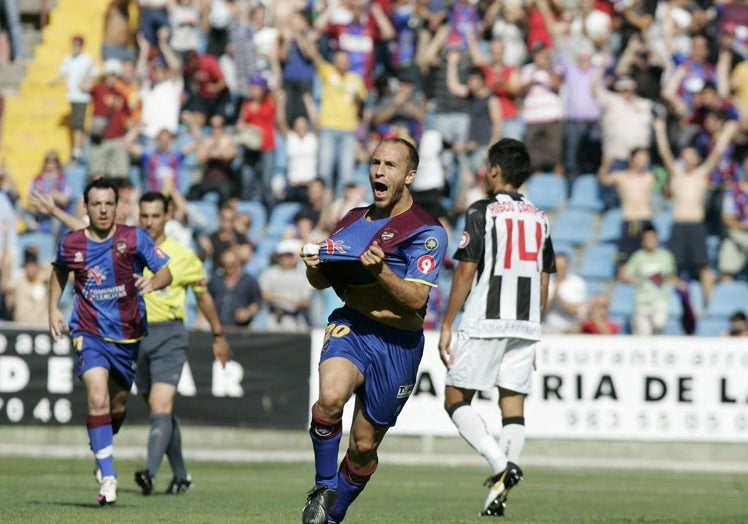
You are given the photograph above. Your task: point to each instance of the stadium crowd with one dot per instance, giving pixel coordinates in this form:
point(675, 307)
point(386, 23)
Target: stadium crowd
point(257, 119)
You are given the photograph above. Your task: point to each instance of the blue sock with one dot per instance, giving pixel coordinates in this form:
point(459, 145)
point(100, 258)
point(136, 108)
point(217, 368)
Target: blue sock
point(350, 485)
point(100, 435)
point(326, 437)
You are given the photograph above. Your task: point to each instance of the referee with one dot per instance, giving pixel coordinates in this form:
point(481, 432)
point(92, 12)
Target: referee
point(164, 351)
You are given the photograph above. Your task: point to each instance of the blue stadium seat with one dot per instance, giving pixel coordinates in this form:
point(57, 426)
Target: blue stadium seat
point(697, 297)
point(711, 327)
point(673, 328)
point(595, 287)
point(610, 226)
point(547, 191)
point(257, 213)
point(623, 321)
point(585, 193)
point(574, 226)
point(663, 223)
point(622, 300)
point(281, 216)
point(598, 262)
point(203, 216)
point(727, 298)
point(44, 241)
point(712, 249)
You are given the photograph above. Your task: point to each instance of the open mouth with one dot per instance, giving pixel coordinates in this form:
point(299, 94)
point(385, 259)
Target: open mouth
point(380, 190)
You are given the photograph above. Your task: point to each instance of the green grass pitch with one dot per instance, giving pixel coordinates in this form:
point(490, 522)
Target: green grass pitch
point(64, 490)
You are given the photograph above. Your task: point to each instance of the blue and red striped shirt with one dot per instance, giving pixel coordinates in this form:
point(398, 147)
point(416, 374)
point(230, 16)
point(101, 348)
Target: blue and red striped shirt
point(107, 303)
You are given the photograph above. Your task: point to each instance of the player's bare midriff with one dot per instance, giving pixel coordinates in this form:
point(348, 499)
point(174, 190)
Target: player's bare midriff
point(374, 302)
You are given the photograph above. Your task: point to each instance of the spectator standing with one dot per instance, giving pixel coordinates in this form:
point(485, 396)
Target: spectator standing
point(77, 69)
point(111, 114)
point(207, 91)
point(358, 33)
point(162, 89)
point(302, 146)
point(285, 290)
point(297, 67)
point(236, 294)
point(13, 20)
point(582, 147)
point(482, 102)
point(258, 115)
point(567, 296)
point(117, 33)
point(343, 96)
point(542, 110)
point(634, 186)
point(504, 81)
point(625, 121)
point(653, 271)
point(688, 185)
point(185, 23)
point(153, 16)
point(108, 319)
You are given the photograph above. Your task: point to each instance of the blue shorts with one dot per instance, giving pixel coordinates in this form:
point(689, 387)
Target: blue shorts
point(387, 357)
point(95, 352)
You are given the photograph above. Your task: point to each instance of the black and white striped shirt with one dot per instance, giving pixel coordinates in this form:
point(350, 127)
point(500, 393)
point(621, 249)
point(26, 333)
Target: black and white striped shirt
point(509, 239)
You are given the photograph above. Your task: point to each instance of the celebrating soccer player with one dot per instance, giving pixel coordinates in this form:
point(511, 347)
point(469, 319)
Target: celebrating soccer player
point(108, 319)
point(382, 261)
point(505, 258)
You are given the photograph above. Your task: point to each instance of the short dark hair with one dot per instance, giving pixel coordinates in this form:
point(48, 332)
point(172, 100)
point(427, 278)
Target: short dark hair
point(155, 196)
point(101, 183)
point(513, 158)
point(413, 158)
point(636, 150)
point(476, 71)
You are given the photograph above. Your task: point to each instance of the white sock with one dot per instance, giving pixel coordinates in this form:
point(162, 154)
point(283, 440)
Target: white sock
point(512, 438)
point(473, 429)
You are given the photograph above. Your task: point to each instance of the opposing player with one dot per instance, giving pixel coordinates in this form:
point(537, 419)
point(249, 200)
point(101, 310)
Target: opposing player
point(382, 260)
point(164, 351)
point(109, 318)
point(501, 281)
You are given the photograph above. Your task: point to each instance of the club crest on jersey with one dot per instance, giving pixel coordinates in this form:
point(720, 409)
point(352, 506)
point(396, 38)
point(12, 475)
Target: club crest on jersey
point(335, 246)
point(426, 264)
point(387, 235)
point(464, 240)
point(431, 243)
point(78, 257)
point(121, 248)
point(404, 391)
point(96, 275)
point(159, 253)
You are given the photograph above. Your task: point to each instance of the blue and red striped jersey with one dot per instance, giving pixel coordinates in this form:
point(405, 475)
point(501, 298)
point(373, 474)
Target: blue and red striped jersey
point(414, 244)
point(107, 303)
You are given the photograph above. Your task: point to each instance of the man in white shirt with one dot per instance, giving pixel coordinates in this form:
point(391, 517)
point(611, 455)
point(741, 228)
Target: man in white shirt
point(567, 296)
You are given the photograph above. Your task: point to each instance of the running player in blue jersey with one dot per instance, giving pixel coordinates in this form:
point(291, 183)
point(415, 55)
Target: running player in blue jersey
point(382, 261)
point(501, 284)
point(108, 319)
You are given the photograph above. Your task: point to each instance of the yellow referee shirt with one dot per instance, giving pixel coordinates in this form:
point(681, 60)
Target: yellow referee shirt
point(187, 271)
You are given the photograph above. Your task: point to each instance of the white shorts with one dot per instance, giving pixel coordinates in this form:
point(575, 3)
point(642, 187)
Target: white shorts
point(483, 363)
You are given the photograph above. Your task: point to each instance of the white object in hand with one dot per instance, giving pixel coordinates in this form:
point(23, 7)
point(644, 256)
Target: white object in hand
point(309, 250)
